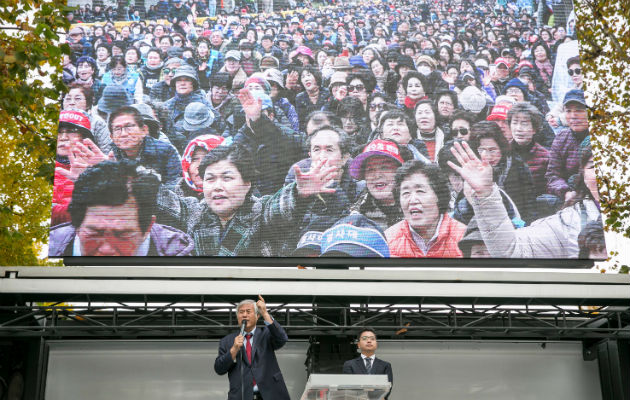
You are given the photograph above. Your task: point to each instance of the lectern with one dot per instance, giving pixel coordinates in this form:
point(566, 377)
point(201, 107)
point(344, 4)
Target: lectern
point(346, 387)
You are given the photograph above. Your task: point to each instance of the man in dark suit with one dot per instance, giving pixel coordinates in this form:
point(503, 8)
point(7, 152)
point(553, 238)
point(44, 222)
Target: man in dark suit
point(367, 363)
point(255, 352)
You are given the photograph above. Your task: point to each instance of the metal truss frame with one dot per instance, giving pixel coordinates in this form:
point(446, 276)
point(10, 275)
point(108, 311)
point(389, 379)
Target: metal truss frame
point(194, 318)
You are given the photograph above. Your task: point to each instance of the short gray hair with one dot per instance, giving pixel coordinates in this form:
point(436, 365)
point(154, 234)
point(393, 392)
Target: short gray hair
point(247, 301)
point(530, 110)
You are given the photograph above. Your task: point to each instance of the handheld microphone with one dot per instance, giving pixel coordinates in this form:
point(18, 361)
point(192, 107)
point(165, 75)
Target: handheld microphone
point(243, 324)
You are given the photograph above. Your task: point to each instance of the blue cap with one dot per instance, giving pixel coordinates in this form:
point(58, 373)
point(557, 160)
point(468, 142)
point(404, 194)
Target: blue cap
point(266, 100)
point(354, 236)
point(575, 95)
point(357, 61)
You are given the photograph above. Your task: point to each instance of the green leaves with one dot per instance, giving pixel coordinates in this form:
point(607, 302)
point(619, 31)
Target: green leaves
point(29, 110)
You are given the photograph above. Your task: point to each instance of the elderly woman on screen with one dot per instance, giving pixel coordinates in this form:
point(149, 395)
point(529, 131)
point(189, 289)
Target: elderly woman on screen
point(427, 230)
point(555, 236)
point(230, 220)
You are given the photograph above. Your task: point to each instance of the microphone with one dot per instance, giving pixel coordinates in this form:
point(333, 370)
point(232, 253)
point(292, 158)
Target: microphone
point(243, 324)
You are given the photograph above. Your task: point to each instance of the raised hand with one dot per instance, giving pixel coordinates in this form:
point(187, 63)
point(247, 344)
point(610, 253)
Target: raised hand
point(251, 105)
point(476, 173)
point(447, 78)
point(316, 180)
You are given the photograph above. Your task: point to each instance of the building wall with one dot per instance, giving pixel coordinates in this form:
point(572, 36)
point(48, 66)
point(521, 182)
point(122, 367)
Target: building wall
point(161, 370)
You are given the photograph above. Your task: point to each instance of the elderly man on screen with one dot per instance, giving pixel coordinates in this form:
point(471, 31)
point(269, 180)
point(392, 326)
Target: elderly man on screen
point(249, 357)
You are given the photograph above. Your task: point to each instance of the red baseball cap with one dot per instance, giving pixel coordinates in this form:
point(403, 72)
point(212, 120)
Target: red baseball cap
point(377, 147)
point(77, 119)
point(502, 60)
point(499, 112)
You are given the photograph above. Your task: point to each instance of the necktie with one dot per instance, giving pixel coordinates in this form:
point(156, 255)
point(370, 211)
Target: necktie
point(368, 364)
point(248, 349)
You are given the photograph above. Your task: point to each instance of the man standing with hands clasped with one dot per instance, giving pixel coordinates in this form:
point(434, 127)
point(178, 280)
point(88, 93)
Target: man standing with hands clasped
point(253, 350)
point(367, 363)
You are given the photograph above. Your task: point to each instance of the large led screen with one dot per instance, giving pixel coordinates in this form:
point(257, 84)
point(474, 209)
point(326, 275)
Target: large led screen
point(417, 129)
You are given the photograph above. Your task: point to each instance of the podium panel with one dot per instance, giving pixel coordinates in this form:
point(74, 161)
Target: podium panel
point(346, 387)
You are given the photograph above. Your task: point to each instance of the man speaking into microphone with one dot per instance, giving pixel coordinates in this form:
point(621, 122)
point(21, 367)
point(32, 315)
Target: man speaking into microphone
point(249, 356)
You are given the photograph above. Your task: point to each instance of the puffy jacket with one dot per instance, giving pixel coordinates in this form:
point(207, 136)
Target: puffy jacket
point(62, 195)
point(564, 161)
point(401, 243)
point(555, 236)
point(159, 156)
point(165, 241)
point(274, 150)
point(537, 159)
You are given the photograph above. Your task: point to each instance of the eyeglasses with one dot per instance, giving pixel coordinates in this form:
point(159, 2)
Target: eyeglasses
point(117, 130)
point(377, 106)
point(356, 88)
point(576, 71)
point(177, 40)
point(460, 131)
point(74, 99)
point(368, 337)
point(168, 71)
point(492, 151)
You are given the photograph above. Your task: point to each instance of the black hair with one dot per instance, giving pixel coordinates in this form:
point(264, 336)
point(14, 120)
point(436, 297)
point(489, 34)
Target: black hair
point(352, 107)
point(117, 60)
point(111, 183)
point(237, 154)
point(527, 108)
point(434, 174)
point(313, 71)
point(221, 79)
point(138, 54)
point(462, 114)
point(418, 76)
point(488, 130)
point(401, 115)
point(363, 330)
point(445, 155)
point(573, 60)
point(88, 93)
point(155, 50)
point(346, 142)
point(367, 77)
point(323, 118)
point(450, 93)
point(126, 110)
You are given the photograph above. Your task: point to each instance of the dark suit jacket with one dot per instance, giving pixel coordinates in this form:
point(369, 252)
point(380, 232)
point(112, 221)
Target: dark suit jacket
point(264, 367)
point(379, 367)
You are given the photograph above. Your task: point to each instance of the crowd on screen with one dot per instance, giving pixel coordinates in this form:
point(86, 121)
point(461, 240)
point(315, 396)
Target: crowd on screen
point(425, 128)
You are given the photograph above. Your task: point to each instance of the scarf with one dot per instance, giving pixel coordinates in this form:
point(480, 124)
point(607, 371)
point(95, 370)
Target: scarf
point(546, 70)
point(411, 103)
point(120, 80)
point(86, 83)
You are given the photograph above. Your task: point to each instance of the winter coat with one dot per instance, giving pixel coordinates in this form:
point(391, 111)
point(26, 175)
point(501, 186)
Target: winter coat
point(274, 150)
point(161, 92)
point(150, 76)
point(255, 230)
point(62, 196)
point(555, 236)
point(450, 232)
point(564, 161)
point(383, 216)
point(159, 156)
point(165, 241)
point(537, 159)
point(514, 177)
point(304, 107)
